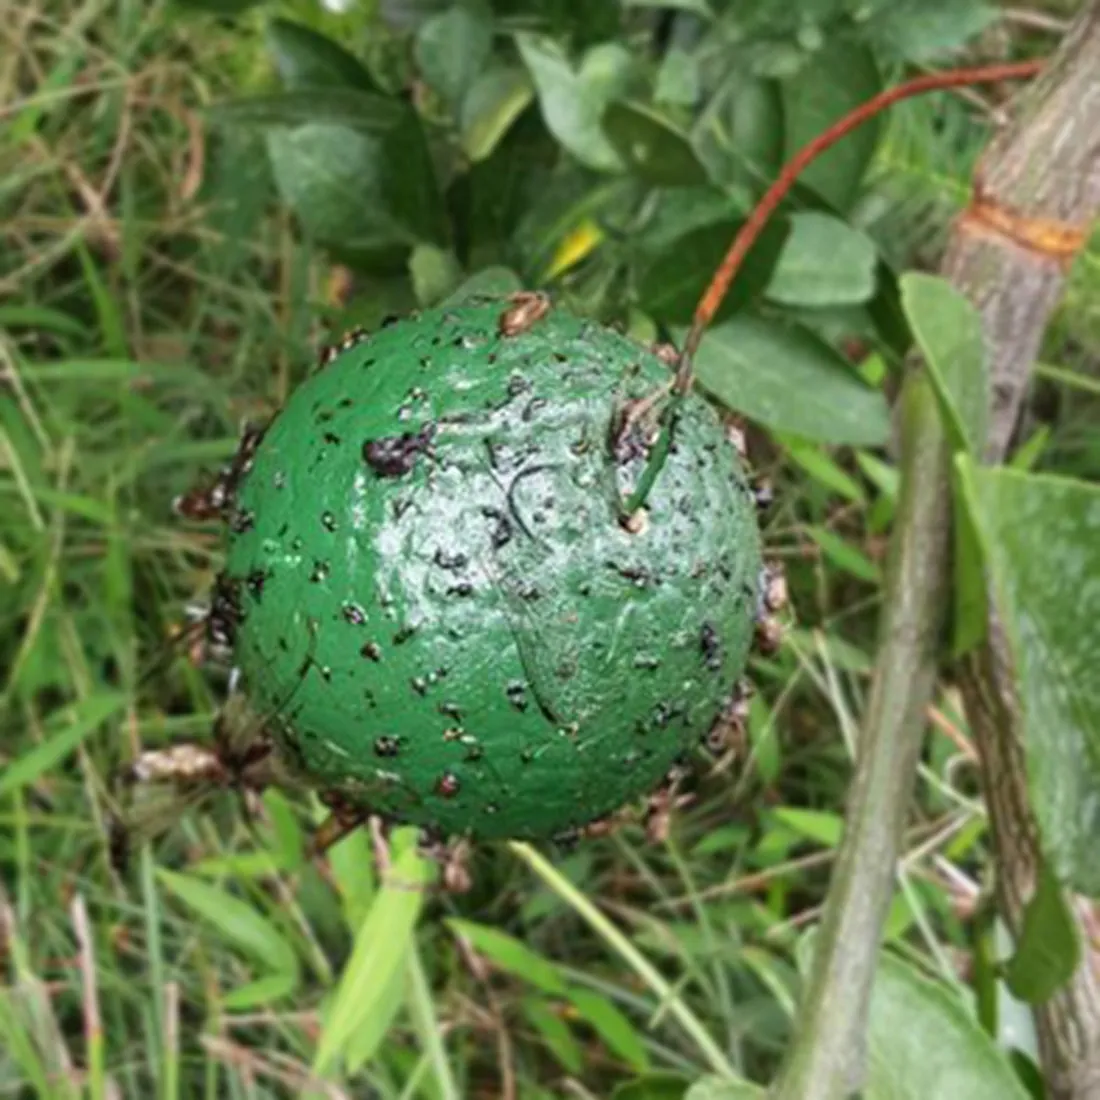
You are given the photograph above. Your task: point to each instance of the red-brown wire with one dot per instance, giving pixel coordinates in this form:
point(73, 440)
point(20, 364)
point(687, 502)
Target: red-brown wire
point(746, 237)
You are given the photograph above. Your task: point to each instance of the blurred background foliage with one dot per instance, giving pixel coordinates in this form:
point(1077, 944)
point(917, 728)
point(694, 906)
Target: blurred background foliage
point(194, 197)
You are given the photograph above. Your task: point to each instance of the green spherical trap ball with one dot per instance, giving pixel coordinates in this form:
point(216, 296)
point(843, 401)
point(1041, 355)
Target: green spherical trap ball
point(440, 613)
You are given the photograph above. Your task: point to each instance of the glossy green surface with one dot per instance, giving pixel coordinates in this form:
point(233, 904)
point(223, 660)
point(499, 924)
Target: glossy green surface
point(461, 635)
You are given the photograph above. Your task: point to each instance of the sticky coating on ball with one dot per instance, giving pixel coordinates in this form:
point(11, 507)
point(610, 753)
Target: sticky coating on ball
point(438, 605)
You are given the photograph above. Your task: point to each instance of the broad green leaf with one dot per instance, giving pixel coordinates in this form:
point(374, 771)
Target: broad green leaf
point(970, 593)
point(408, 15)
point(435, 273)
point(814, 461)
point(331, 177)
point(825, 262)
point(305, 59)
point(676, 277)
point(816, 825)
point(884, 477)
point(236, 920)
point(678, 79)
point(497, 98)
point(568, 205)
point(652, 147)
point(236, 195)
point(491, 281)
point(1028, 454)
point(494, 196)
point(573, 101)
point(241, 865)
point(739, 135)
point(1041, 538)
point(923, 1043)
point(453, 47)
point(342, 107)
point(653, 1086)
point(354, 167)
point(840, 654)
point(409, 185)
point(766, 749)
point(678, 212)
point(578, 244)
point(844, 555)
point(359, 190)
point(948, 331)
point(842, 326)
point(217, 7)
point(837, 78)
point(926, 30)
point(46, 319)
point(899, 919)
point(367, 1038)
point(1049, 948)
point(695, 7)
point(262, 991)
point(65, 731)
point(287, 842)
point(612, 1026)
point(353, 872)
point(510, 955)
point(10, 571)
point(364, 992)
point(1009, 1020)
point(555, 1033)
point(718, 1088)
point(787, 379)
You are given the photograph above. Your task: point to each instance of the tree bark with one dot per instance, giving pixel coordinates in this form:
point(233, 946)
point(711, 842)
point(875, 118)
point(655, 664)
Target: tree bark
point(1037, 192)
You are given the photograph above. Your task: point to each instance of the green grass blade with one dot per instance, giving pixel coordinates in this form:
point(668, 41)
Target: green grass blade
point(363, 1000)
point(619, 943)
point(237, 921)
point(83, 719)
point(422, 1009)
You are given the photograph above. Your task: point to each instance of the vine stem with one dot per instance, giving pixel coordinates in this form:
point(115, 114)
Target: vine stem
point(826, 1058)
point(772, 198)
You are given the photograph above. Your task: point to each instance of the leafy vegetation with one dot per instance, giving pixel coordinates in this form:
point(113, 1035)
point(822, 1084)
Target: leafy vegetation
point(195, 198)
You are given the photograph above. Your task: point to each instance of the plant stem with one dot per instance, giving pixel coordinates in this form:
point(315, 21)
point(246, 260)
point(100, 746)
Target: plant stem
point(826, 1058)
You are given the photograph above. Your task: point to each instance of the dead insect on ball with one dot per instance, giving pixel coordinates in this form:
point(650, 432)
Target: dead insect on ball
point(773, 584)
point(330, 353)
point(527, 308)
point(213, 498)
point(153, 793)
